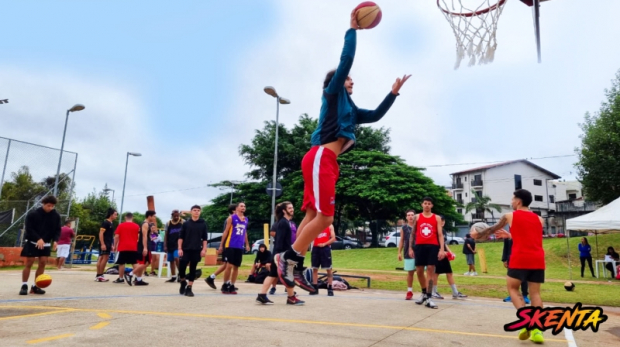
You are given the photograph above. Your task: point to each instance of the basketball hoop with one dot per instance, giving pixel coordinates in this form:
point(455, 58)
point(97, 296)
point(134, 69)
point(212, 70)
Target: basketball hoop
point(474, 28)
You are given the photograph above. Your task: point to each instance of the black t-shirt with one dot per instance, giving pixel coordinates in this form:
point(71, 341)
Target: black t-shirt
point(283, 236)
point(472, 243)
point(172, 235)
point(263, 257)
point(108, 234)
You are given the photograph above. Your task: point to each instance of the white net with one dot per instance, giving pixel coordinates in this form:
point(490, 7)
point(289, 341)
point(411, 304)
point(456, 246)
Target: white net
point(474, 28)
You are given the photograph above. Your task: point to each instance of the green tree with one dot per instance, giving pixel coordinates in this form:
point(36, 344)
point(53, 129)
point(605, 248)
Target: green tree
point(482, 204)
point(91, 212)
point(598, 163)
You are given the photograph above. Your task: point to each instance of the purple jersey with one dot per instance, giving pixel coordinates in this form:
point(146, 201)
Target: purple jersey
point(293, 232)
point(236, 236)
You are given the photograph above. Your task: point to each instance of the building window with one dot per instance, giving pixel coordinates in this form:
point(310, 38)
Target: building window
point(465, 194)
point(459, 210)
point(538, 182)
point(518, 184)
point(572, 196)
point(465, 178)
point(552, 199)
point(538, 198)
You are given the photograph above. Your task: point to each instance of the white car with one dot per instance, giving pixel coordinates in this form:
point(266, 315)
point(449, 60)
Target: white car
point(391, 239)
point(453, 240)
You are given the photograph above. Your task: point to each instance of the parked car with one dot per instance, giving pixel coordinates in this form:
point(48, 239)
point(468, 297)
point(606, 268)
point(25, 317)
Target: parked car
point(454, 240)
point(391, 239)
point(341, 243)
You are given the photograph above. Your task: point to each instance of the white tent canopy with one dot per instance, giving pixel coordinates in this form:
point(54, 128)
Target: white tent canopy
point(604, 220)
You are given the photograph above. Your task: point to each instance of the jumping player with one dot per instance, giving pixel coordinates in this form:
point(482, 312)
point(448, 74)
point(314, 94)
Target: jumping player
point(527, 260)
point(429, 248)
point(236, 235)
point(284, 214)
point(192, 247)
point(403, 251)
point(333, 136)
point(106, 243)
point(42, 228)
point(444, 267)
point(126, 243)
point(322, 258)
point(171, 242)
point(211, 279)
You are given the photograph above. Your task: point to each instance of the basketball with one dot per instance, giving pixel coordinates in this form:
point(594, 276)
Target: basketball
point(368, 15)
point(43, 281)
point(569, 286)
point(476, 229)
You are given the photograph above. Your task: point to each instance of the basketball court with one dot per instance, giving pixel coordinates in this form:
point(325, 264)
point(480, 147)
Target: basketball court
point(77, 311)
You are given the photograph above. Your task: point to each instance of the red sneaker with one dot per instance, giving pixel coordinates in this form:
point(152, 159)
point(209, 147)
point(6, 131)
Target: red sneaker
point(409, 296)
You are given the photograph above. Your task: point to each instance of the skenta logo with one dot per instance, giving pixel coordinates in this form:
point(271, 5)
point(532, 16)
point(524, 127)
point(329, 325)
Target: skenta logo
point(558, 318)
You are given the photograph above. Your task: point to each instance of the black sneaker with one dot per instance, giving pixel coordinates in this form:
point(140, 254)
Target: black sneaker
point(188, 291)
point(141, 283)
point(330, 291)
point(211, 282)
point(36, 290)
point(182, 288)
point(225, 289)
point(263, 300)
point(272, 290)
point(128, 278)
point(293, 300)
point(171, 280)
point(24, 290)
point(232, 289)
point(118, 280)
point(316, 292)
point(302, 282)
point(285, 270)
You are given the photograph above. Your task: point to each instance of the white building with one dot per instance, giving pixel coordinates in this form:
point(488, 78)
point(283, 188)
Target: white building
point(499, 181)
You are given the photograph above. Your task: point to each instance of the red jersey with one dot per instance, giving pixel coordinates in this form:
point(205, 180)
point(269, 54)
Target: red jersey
point(323, 237)
point(527, 248)
point(127, 236)
point(426, 232)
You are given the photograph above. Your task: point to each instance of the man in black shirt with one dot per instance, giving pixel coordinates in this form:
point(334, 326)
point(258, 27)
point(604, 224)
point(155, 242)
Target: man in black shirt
point(171, 242)
point(192, 247)
point(42, 228)
point(469, 249)
point(106, 243)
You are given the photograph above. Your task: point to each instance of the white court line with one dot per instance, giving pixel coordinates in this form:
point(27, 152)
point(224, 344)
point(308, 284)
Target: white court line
point(569, 337)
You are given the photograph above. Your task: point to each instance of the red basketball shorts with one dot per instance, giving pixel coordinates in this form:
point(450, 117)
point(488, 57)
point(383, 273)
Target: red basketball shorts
point(320, 171)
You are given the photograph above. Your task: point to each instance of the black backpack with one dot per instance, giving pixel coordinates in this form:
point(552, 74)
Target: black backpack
point(261, 275)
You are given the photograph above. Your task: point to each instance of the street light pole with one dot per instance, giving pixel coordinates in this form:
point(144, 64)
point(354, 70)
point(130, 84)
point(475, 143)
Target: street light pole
point(279, 100)
point(125, 179)
point(75, 108)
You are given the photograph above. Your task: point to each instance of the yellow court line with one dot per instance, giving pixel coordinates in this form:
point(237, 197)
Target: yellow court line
point(99, 326)
point(50, 338)
point(36, 314)
point(104, 315)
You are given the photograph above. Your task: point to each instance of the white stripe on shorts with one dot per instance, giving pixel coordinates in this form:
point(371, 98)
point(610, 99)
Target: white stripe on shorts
point(315, 177)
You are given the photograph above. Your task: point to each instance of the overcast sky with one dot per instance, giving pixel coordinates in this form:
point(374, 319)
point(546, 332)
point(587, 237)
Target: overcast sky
point(182, 84)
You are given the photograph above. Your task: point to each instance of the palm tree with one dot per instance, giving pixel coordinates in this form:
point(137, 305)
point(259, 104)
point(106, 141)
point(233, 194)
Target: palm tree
point(482, 204)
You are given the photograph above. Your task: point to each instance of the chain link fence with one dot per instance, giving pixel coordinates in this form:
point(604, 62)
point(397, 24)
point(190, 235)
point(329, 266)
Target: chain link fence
point(27, 174)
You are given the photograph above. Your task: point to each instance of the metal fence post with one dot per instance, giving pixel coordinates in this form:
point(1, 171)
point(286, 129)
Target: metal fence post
point(6, 159)
point(72, 185)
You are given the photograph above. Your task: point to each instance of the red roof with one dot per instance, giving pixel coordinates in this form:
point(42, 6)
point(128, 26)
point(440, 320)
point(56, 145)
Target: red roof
point(486, 167)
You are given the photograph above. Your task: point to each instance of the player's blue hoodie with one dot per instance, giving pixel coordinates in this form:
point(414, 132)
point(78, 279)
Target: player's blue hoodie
point(339, 115)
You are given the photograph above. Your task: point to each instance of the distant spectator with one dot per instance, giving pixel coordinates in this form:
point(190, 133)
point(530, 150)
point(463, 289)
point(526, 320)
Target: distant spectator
point(469, 249)
point(611, 255)
point(153, 240)
point(64, 243)
point(505, 259)
point(584, 254)
point(263, 259)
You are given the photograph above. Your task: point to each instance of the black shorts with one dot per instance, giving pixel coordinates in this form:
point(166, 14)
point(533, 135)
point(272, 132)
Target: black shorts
point(127, 257)
point(527, 275)
point(273, 270)
point(443, 266)
point(191, 255)
point(233, 256)
point(30, 250)
point(321, 258)
point(108, 248)
point(426, 255)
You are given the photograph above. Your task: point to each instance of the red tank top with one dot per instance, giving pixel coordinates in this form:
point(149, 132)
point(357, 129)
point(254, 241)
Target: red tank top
point(323, 237)
point(527, 248)
point(426, 231)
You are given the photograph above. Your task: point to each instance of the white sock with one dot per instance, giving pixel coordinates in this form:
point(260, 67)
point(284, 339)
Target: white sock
point(409, 289)
point(212, 276)
point(138, 278)
point(454, 291)
point(131, 273)
point(24, 283)
point(435, 289)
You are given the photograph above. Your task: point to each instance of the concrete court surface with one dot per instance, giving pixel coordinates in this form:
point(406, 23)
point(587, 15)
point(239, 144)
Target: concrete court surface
point(78, 311)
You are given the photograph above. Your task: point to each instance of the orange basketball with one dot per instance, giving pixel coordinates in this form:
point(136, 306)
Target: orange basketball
point(368, 15)
point(43, 281)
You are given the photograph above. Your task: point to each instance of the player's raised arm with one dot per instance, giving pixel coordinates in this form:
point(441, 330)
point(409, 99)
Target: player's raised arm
point(371, 116)
point(346, 59)
point(484, 234)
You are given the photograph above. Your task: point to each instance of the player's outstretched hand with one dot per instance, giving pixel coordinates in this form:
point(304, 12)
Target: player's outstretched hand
point(354, 24)
point(399, 83)
point(502, 234)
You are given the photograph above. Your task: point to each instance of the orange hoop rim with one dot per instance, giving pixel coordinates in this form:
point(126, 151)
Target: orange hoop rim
point(472, 14)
